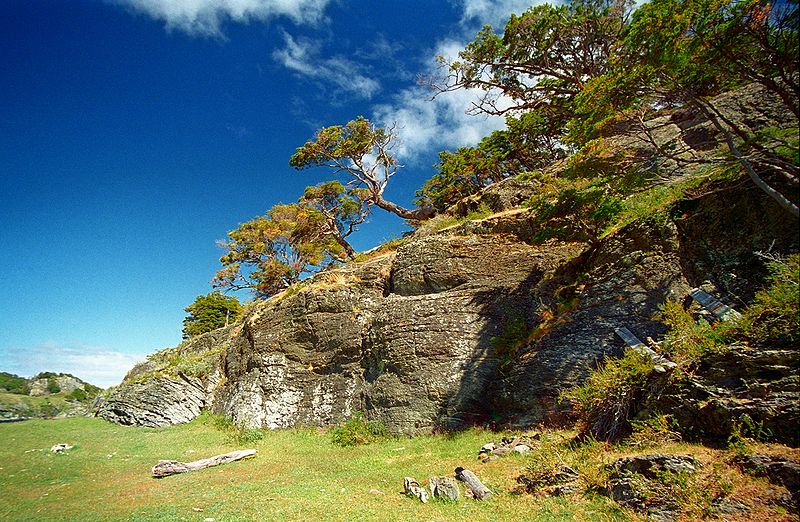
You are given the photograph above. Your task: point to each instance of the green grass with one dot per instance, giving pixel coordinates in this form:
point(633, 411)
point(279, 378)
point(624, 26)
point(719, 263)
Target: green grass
point(29, 405)
point(297, 475)
point(301, 474)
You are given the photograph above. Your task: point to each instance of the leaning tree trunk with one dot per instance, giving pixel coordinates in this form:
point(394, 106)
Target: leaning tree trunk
point(419, 214)
point(748, 167)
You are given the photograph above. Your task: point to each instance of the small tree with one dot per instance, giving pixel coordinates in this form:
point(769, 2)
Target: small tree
point(342, 210)
point(269, 253)
point(529, 141)
point(209, 312)
point(365, 154)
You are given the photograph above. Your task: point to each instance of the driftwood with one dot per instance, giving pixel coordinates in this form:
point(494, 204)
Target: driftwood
point(712, 304)
point(413, 489)
point(660, 363)
point(165, 468)
point(479, 491)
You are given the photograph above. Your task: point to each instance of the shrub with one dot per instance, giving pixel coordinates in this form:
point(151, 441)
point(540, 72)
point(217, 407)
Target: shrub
point(481, 212)
point(77, 395)
point(575, 211)
point(357, 430)
point(13, 383)
point(605, 399)
point(657, 430)
point(774, 316)
point(514, 335)
point(52, 385)
point(688, 340)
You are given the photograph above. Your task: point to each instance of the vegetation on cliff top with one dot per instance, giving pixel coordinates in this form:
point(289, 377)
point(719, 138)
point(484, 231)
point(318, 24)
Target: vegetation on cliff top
point(566, 77)
point(209, 312)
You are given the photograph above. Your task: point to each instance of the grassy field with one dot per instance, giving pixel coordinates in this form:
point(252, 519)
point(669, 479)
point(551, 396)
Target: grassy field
point(297, 475)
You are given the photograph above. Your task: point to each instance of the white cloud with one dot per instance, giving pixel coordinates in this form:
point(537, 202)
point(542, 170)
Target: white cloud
point(494, 12)
point(303, 56)
point(425, 125)
point(99, 366)
point(206, 17)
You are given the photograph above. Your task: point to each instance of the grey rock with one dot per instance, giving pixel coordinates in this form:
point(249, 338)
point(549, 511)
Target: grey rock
point(730, 506)
point(158, 402)
point(423, 339)
point(444, 488)
point(650, 466)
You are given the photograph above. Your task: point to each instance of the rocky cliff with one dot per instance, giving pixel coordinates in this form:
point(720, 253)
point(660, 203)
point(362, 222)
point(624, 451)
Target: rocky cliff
point(478, 322)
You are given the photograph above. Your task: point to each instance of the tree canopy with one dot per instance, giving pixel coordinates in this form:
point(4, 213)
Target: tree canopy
point(542, 60)
point(270, 252)
point(583, 65)
point(365, 154)
point(209, 312)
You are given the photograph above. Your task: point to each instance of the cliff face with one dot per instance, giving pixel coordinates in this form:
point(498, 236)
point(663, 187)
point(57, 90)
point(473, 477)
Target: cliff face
point(455, 328)
point(474, 323)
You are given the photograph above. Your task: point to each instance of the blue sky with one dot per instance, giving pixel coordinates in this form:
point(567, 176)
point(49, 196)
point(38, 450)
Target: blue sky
point(136, 133)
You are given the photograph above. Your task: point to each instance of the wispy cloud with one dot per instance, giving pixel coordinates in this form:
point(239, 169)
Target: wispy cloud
point(99, 366)
point(494, 12)
point(207, 17)
point(425, 125)
point(304, 57)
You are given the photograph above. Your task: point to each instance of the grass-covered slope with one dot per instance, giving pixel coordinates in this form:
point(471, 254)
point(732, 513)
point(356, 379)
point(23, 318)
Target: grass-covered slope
point(300, 474)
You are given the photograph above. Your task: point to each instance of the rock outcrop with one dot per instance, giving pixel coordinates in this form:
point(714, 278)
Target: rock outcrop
point(479, 322)
point(452, 329)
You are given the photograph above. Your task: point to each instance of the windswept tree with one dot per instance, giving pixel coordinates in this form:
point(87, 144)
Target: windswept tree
point(365, 154)
point(209, 312)
point(271, 252)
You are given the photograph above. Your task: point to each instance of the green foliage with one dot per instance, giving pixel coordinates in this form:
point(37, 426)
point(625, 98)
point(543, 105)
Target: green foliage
point(688, 340)
point(342, 209)
point(357, 431)
point(575, 211)
point(527, 143)
point(342, 143)
point(656, 430)
point(238, 433)
point(92, 391)
point(47, 375)
point(14, 383)
point(52, 385)
point(745, 432)
point(209, 312)
point(605, 399)
point(365, 154)
point(774, 316)
point(481, 212)
point(512, 337)
point(269, 253)
point(542, 59)
point(78, 394)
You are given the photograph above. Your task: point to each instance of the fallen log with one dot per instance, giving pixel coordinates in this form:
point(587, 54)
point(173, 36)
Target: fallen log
point(479, 491)
point(165, 468)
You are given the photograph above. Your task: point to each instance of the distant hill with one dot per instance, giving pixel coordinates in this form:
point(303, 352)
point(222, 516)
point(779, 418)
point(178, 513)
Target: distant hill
point(47, 394)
